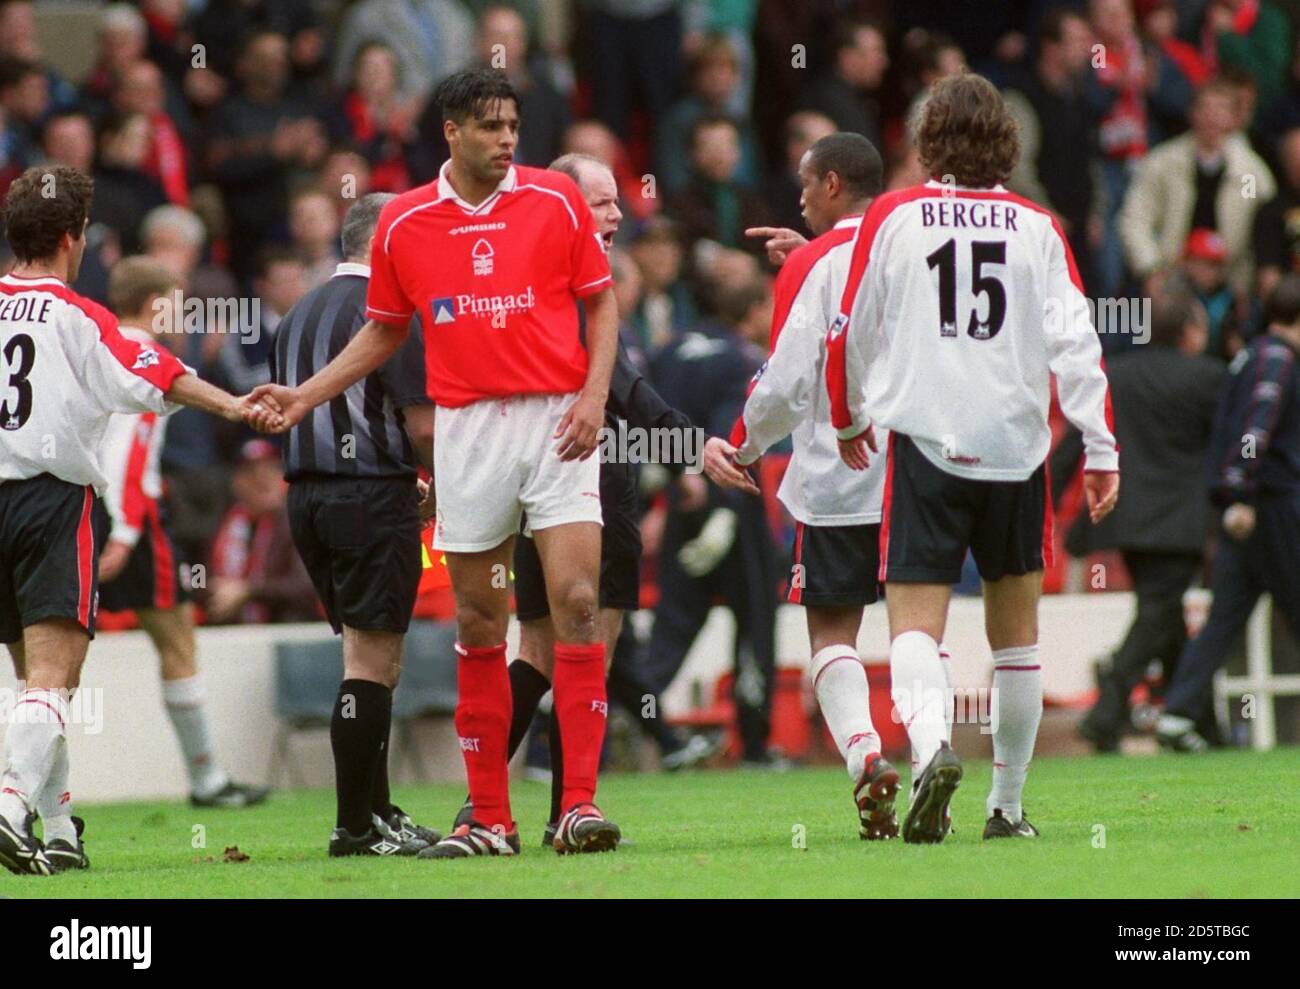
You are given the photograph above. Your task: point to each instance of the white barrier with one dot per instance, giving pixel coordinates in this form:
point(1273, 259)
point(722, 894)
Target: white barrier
point(133, 755)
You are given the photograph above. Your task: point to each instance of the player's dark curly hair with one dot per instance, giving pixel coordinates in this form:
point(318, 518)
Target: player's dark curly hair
point(967, 132)
point(43, 204)
point(470, 93)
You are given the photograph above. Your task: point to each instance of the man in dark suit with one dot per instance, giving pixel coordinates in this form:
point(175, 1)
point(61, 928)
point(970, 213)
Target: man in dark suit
point(1164, 397)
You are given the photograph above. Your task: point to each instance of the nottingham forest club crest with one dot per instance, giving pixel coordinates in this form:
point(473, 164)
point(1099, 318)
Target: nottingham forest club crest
point(482, 255)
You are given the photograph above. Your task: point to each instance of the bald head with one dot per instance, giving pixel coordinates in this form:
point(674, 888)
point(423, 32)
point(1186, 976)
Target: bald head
point(598, 187)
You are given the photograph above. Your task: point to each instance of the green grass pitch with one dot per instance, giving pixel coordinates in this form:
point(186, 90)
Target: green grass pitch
point(1220, 825)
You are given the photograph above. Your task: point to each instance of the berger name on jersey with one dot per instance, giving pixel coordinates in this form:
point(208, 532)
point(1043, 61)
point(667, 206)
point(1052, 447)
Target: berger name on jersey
point(980, 215)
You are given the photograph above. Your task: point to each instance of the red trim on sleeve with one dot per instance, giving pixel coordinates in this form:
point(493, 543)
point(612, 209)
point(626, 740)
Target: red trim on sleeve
point(160, 373)
point(836, 339)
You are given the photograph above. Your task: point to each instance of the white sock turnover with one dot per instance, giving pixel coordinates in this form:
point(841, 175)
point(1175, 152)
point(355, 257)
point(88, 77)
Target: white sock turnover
point(31, 747)
point(1018, 699)
point(184, 700)
point(920, 692)
point(840, 683)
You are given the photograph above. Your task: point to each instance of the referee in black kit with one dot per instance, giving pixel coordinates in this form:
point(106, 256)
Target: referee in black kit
point(354, 510)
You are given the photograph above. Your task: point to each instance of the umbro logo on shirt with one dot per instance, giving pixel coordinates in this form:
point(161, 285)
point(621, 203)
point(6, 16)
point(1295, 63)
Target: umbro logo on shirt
point(147, 358)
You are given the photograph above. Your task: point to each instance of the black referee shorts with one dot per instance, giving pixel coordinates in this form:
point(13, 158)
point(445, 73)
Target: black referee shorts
point(930, 518)
point(835, 566)
point(359, 538)
point(152, 575)
point(50, 538)
point(620, 552)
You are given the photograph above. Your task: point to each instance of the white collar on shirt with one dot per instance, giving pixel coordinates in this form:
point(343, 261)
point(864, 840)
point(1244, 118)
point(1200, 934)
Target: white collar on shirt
point(351, 268)
point(446, 191)
point(936, 184)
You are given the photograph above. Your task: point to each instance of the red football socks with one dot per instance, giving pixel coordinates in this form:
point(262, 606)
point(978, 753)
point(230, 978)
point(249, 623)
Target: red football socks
point(483, 727)
point(580, 706)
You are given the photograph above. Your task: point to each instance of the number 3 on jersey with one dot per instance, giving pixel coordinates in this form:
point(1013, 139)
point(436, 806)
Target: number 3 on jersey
point(19, 356)
point(983, 252)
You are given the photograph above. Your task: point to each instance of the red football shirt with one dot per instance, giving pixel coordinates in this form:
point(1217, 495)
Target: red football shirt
point(497, 285)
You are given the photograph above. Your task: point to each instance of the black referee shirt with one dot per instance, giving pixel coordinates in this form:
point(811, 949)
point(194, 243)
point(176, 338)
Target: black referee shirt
point(360, 433)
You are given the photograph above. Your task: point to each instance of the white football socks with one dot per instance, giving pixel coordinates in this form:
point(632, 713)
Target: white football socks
point(54, 802)
point(840, 683)
point(1018, 693)
point(31, 747)
point(946, 658)
point(184, 700)
point(920, 692)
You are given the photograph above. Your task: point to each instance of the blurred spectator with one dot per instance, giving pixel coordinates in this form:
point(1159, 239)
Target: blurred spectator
point(124, 190)
point(627, 294)
point(714, 81)
point(1204, 269)
point(846, 92)
point(503, 44)
point(142, 89)
point(802, 131)
point(281, 281)
point(592, 138)
point(123, 40)
point(1117, 91)
point(432, 39)
point(1255, 483)
point(1277, 224)
point(378, 121)
point(24, 104)
point(1208, 179)
point(314, 229)
point(19, 39)
point(345, 178)
point(256, 574)
point(724, 548)
point(733, 20)
point(1174, 70)
point(1251, 35)
point(220, 27)
point(666, 306)
point(634, 47)
point(256, 139)
point(1163, 397)
point(715, 206)
point(1057, 131)
point(69, 139)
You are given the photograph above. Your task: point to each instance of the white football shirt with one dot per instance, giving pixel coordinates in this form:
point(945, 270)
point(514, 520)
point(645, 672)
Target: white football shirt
point(64, 369)
point(787, 397)
point(959, 306)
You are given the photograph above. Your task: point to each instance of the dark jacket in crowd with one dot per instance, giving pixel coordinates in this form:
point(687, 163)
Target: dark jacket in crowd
point(1163, 402)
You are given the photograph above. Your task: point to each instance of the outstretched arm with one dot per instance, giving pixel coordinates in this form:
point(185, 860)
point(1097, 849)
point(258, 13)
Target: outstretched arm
point(374, 343)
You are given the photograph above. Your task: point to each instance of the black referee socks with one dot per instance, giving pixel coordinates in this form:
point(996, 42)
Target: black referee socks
point(358, 736)
point(527, 688)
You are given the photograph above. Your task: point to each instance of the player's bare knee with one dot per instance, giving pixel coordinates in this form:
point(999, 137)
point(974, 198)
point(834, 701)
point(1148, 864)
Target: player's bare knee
point(576, 613)
point(478, 625)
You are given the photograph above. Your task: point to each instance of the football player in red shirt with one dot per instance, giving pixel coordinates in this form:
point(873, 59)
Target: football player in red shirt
point(495, 257)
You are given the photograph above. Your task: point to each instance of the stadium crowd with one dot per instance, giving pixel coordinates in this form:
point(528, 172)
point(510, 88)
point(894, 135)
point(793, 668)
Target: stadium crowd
point(227, 140)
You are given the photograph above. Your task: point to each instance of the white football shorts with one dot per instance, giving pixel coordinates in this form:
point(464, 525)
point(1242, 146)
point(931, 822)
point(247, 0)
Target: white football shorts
point(497, 459)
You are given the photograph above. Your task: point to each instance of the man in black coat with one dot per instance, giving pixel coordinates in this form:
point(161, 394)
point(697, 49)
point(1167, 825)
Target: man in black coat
point(1255, 482)
point(1163, 397)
